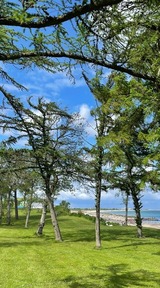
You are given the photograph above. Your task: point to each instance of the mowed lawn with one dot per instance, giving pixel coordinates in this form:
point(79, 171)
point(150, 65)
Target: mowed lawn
point(123, 261)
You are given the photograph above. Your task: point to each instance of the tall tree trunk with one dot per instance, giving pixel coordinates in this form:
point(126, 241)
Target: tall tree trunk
point(126, 209)
point(98, 179)
point(24, 199)
point(16, 204)
point(42, 220)
point(9, 208)
point(28, 214)
point(1, 209)
point(137, 206)
point(54, 220)
point(97, 223)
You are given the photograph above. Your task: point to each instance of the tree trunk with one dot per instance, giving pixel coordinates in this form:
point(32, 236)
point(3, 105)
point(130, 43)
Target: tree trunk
point(126, 210)
point(1, 209)
point(42, 220)
point(55, 225)
point(24, 199)
point(98, 179)
point(9, 208)
point(137, 206)
point(16, 204)
point(28, 214)
point(97, 223)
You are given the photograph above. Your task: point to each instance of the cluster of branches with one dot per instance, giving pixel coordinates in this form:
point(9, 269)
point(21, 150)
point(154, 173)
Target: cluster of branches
point(117, 34)
point(54, 140)
point(125, 155)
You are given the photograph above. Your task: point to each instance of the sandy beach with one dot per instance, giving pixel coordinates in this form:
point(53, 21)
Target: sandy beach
point(121, 219)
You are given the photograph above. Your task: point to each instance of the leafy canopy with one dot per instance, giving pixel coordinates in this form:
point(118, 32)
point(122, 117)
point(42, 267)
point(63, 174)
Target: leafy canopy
point(118, 34)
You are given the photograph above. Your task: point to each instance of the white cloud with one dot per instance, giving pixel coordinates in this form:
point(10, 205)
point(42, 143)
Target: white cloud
point(84, 111)
point(81, 194)
point(111, 194)
point(10, 87)
point(151, 194)
point(41, 81)
point(5, 133)
point(91, 128)
point(89, 122)
point(64, 82)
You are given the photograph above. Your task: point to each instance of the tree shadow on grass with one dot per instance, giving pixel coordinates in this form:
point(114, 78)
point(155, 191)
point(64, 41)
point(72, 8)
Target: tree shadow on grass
point(118, 232)
point(115, 276)
point(79, 236)
point(151, 232)
point(81, 233)
point(19, 243)
point(157, 254)
point(135, 244)
point(88, 234)
point(28, 241)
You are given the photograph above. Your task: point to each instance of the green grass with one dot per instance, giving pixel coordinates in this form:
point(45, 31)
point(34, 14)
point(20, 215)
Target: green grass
point(123, 261)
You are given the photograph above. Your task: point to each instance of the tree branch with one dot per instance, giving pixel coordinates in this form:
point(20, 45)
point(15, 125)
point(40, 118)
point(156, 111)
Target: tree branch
point(47, 21)
point(80, 58)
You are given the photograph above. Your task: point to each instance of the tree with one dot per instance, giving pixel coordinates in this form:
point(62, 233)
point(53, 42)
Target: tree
point(43, 218)
point(9, 182)
point(13, 163)
point(3, 192)
point(129, 138)
point(54, 140)
point(3, 184)
point(8, 189)
point(128, 141)
point(29, 185)
point(99, 160)
point(63, 208)
point(106, 33)
point(97, 171)
point(129, 39)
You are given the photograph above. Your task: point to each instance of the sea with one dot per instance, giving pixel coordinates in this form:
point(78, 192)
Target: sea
point(152, 216)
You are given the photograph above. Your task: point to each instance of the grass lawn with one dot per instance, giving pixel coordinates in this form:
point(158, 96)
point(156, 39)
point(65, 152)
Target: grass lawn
point(123, 261)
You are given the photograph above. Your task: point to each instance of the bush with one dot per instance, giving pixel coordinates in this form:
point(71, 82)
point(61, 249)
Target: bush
point(63, 208)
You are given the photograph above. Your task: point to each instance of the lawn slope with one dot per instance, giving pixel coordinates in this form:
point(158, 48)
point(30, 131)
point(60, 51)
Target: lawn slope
point(40, 262)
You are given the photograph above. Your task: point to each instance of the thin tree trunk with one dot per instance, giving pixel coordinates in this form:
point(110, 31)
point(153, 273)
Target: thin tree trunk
point(126, 209)
point(24, 199)
point(55, 225)
point(1, 209)
point(42, 220)
point(97, 223)
point(9, 208)
point(98, 196)
point(28, 214)
point(137, 206)
point(16, 204)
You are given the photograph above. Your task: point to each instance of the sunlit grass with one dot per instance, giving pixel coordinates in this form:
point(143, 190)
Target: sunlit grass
point(123, 261)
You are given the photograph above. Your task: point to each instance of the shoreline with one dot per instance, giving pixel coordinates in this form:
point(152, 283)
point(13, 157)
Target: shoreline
point(120, 219)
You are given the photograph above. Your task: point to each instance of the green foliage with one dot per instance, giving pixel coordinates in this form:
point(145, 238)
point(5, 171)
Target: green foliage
point(129, 138)
point(59, 35)
point(55, 139)
point(85, 216)
point(63, 208)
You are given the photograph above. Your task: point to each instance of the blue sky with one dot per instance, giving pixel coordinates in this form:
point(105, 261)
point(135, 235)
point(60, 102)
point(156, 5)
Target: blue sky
point(77, 98)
